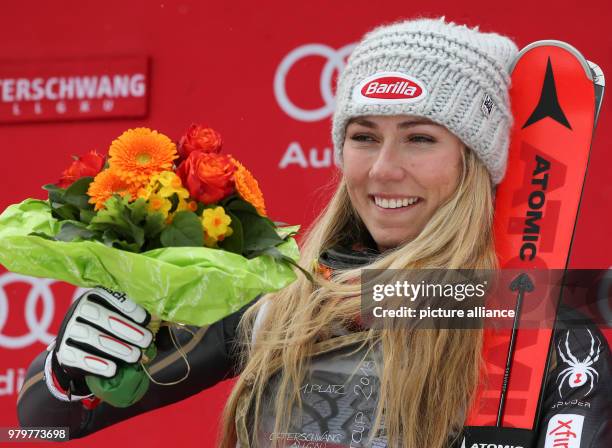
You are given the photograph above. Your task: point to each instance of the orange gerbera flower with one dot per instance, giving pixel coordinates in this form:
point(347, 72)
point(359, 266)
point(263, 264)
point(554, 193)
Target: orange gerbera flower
point(106, 184)
point(248, 188)
point(140, 153)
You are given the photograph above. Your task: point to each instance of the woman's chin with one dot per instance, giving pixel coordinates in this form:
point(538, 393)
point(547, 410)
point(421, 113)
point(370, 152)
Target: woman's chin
point(385, 242)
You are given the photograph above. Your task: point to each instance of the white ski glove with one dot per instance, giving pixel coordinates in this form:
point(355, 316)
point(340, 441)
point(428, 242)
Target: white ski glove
point(101, 330)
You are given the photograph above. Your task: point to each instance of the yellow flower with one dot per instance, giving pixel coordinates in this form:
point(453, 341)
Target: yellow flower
point(186, 206)
point(145, 192)
point(215, 222)
point(228, 233)
point(157, 203)
point(182, 206)
point(140, 153)
point(166, 192)
point(165, 184)
point(169, 179)
point(208, 241)
point(212, 242)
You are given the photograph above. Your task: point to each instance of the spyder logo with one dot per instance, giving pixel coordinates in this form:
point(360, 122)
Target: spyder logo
point(579, 372)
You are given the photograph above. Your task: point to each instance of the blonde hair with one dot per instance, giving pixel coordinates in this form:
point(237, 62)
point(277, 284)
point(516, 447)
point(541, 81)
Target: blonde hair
point(429, 376)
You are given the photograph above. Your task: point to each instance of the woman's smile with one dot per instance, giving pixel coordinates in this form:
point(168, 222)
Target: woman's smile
point(395, 202)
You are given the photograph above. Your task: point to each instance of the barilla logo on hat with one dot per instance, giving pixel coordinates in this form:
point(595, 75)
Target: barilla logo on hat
point(389, 87)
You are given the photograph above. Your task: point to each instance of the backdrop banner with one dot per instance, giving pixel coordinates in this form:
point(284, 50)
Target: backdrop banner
point(75, 75)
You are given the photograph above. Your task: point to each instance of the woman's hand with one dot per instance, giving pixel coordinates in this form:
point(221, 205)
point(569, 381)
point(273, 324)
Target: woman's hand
point(101, 330)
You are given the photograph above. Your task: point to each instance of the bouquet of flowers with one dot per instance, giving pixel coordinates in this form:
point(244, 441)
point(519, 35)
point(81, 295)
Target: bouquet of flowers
point(182, 229)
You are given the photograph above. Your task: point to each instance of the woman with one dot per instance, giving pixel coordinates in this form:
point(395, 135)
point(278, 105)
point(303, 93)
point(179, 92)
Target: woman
point(420, 156)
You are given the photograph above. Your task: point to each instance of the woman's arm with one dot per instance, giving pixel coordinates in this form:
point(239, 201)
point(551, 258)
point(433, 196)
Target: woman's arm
point(211, 355)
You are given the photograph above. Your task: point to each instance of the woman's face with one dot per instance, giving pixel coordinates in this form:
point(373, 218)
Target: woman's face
point(399, 170)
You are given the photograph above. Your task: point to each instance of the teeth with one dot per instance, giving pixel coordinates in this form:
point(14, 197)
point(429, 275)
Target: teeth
point(394, 203)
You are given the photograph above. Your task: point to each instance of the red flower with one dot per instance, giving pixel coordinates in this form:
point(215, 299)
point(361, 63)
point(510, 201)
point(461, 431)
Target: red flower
point(208, 177)
point(88, 165)
point(199, 138)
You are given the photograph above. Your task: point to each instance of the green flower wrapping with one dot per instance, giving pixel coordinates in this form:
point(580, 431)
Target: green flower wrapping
point(188, 285)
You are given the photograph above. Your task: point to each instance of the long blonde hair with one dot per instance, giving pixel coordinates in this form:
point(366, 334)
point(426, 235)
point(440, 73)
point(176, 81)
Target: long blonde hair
point(429, 376)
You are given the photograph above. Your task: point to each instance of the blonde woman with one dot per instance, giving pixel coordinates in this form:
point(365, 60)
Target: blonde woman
point(420, 159)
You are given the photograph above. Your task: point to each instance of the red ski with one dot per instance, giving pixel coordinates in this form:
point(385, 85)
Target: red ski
point(554, 104)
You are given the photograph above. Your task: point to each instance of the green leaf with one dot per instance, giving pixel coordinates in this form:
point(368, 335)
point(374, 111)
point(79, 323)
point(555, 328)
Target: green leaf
point(85, 216)
point(76, 194)
point(74, 230)
point(64, 211)
point(52, 187)
point(125, 245)
point(118, 216)
point(137, 211)
point(152, 244)
point(240, 205)
point(185, 230)
point(109, 237)
point(223, 202)
point(56, 194)
point(66, 203)
point(258, 232)
point(112, 239)
point(279, 256)
point(200, 209)
point(79, 186)
point(234, 242)
point(154, 224)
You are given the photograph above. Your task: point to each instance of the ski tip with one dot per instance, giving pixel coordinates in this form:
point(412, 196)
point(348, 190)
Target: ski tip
point(599, 81)
point(598, 74)
point(555, 43)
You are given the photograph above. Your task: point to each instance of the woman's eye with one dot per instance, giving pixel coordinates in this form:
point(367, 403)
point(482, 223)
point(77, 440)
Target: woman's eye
point(421, 139)
point(362, 138)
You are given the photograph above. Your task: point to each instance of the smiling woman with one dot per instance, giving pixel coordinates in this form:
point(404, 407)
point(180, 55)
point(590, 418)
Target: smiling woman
point(420, 157)
point(421, 131)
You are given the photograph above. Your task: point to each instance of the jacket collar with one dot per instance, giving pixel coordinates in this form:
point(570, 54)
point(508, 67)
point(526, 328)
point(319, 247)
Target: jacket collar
point(350, 253)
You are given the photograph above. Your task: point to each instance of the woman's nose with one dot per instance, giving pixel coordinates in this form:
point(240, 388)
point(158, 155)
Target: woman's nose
point(387, 166)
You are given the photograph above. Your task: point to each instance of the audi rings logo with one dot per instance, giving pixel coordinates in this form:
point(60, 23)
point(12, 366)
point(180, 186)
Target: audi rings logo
point(37, 328)
point(334, 62)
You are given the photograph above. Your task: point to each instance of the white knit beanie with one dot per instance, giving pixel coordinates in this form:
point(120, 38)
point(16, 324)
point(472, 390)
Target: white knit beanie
point(454, 75)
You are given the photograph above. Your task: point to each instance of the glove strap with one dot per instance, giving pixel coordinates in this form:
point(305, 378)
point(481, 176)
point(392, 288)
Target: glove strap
point(55, 385)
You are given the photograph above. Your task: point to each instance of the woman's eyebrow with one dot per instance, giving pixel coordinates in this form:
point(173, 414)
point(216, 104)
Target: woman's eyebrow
point(401, 125)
